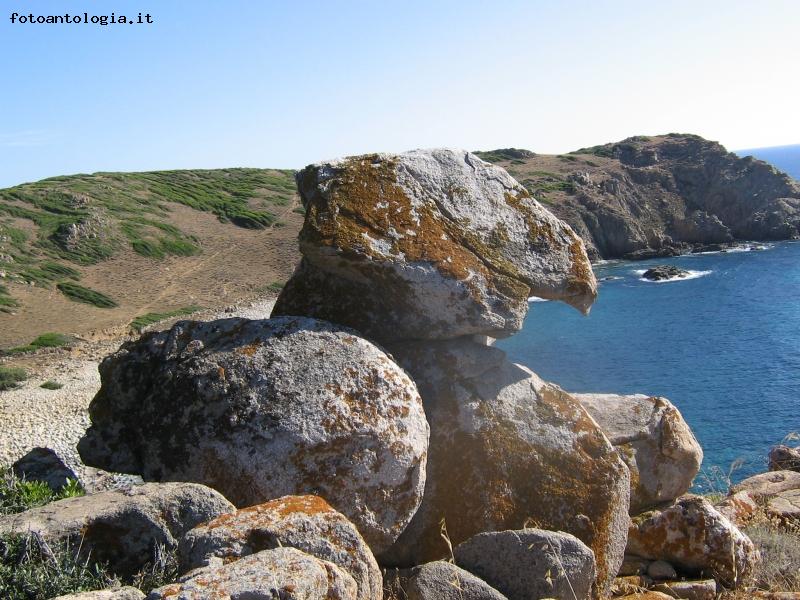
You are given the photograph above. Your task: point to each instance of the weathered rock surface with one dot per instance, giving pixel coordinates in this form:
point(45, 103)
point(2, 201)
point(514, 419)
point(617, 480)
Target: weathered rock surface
point(123, 593)
point(307, 523)
point(696, 539)
point(263, 409)
point(428, 244)
point(508, 449)
point(705, 589)
point(654, 441)
point(778, 492)
point(664, 272)
point(784, 458)
point(281, 573)
point(42, 464)
point(738, 508)
point(530, 563)
point(660, 196)
point(123, 528)
point(445, 581)
point(646, 596)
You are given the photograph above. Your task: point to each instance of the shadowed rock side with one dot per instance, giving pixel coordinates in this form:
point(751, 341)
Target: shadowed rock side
point(509, 450)
point(428, 244)
point(262, 409)
point(660, 195)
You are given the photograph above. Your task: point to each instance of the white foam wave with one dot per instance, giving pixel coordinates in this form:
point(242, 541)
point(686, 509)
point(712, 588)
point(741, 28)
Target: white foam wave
point(690, 275)
point(537, 299)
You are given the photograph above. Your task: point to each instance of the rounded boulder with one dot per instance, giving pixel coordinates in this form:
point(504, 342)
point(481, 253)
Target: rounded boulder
point(260, 409)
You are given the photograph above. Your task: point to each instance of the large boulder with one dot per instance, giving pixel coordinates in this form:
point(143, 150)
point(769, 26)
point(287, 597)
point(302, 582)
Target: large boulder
point(695, 538)
point(263, 409)
point(654, 441)
point(507, 450)
point(123, 528)
point(307, 523)
point(442, 580)
point(428, 244)
point(530, 564)
point(280, 573)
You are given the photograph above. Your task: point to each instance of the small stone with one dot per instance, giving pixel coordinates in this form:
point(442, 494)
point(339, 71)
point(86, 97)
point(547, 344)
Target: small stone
point(689, 590)
point(43, 464)
point(661, 569)
point(530, 563)
point(444, 581)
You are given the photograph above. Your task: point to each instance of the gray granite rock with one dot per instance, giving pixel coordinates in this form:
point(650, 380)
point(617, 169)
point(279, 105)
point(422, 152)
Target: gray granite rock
point(263, 409)
point(123, 528)
point(428, 244)
point(442, 580)
point(653, 439)
point(530, 564)
point(280, 573)
point(307, 523)
point(42, 464)
point(508, 449)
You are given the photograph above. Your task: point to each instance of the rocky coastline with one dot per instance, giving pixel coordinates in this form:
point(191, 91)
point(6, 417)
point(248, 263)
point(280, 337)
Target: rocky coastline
point(369, 441)
point(660, 196)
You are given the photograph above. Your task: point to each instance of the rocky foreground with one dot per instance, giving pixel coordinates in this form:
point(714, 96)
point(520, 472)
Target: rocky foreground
point(660, 196)
point(369, 438)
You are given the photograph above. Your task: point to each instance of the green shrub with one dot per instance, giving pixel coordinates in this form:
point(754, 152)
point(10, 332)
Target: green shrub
point(276, 286)
point(78, 293)
point(46, 340)
point(18, 495)
point(143, 321)
point(10, 377)
point(51, 385)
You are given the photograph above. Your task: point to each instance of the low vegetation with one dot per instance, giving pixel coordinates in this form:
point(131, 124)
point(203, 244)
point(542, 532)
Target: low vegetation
point(18, 495)
point(78, 293)
point(11, 377)
point(50, 228)
point(51, 385)
point(46, 340)
point(32, 568)
point(139, 323)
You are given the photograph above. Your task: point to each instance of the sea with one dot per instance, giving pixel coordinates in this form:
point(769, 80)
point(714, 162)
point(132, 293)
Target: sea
point(723, 344)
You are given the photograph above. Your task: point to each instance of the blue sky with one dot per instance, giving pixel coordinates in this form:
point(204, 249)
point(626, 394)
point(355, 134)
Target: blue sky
point(281, 84)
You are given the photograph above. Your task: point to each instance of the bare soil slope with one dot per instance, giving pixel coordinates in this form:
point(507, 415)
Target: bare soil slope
point(51, 235)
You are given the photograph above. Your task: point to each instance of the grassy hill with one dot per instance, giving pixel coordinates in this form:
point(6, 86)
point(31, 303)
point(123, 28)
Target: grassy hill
point(74, 240)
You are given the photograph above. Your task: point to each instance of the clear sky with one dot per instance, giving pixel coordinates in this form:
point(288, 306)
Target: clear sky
point(216, 83)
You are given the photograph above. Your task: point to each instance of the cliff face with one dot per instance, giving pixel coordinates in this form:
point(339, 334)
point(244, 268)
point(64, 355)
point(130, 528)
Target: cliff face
point(657, 196)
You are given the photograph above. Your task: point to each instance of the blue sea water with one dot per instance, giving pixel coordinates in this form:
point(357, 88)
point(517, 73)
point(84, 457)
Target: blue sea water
point(724, 346)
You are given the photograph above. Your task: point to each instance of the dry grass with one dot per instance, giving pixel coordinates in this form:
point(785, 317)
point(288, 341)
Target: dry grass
point(779, 568)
